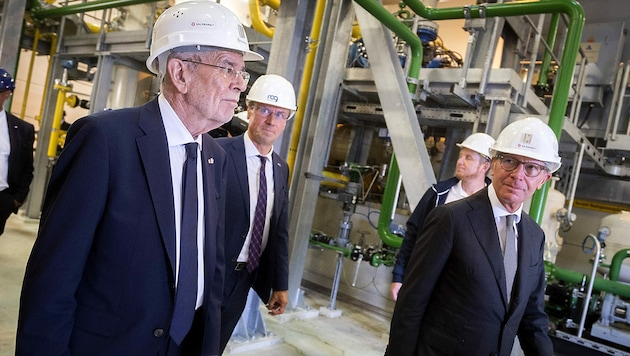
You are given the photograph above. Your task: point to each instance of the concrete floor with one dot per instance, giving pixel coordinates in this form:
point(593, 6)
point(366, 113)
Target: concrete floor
point(356, 332)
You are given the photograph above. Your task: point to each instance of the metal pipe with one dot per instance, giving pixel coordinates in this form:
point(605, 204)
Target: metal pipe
point(551, 43)
point(599, 284)
point(575, 174)
point(387, 206)
point(257, 23)
point(615, 265)
point(38, 13)
point(589, 290)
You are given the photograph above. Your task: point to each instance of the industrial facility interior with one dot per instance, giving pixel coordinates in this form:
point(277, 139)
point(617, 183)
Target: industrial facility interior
point(386, 89)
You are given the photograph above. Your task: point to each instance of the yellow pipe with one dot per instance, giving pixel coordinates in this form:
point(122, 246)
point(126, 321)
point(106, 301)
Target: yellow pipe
point(56, 126)
point(257, 22)
point(306, 83)
point(274, 4)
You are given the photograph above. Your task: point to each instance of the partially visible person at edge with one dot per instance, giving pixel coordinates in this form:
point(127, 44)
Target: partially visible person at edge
point(270, 104)
point(471, 172)
point(16, 154)
point(139, 269)
point(476, 277)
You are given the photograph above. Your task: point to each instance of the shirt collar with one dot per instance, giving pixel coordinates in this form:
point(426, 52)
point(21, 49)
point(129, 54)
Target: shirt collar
point(498, 209)
point(176, 133)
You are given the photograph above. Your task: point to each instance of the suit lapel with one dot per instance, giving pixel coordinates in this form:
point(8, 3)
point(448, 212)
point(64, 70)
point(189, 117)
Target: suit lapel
point(211, 212)
point(153, 148)
point(279, 182)
point(237, 155)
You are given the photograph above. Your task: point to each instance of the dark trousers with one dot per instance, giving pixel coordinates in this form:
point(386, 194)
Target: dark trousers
point(7, 206)
point(237, 284)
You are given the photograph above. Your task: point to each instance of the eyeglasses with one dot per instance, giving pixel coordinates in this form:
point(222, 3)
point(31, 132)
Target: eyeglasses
point(265, 112)
point(227, 72)
point(510, 163)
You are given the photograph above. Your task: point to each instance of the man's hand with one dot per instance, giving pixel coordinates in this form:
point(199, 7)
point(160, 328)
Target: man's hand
point(278, 301)
point(395, 288)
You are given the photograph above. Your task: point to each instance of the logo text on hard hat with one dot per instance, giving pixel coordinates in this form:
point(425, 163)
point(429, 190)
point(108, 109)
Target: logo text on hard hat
point(273, 98)
point(205, 24)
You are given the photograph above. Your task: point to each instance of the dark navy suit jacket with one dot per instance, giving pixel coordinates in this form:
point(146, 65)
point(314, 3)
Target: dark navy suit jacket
point(273, 272)
point(100, 278)
point(20, 175)
point(454, 301)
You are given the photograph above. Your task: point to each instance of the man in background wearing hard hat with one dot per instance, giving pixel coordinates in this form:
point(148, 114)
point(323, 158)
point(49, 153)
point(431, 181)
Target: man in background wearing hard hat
point(256, 242)
point(470, 176)
point(457, 296)
point(129, 256)
point(16, 154)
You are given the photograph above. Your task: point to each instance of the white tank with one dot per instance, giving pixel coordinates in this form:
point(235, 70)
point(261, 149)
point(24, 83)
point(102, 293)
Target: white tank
point(551, 225)
point(617, 227)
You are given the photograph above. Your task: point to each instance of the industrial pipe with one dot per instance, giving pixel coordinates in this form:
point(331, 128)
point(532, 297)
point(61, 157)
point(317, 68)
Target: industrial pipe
point(392, 185)
point(305, 84)
point(38, 13)
point(600, 284)
point(257, 22)
point(552, 34)
point(615, 265)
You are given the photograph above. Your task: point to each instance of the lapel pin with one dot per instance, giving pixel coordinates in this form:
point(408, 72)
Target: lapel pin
point(211, 160)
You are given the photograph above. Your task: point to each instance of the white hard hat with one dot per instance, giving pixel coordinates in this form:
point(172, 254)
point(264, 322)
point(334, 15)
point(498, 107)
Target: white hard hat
point(198, 23)
point(531, 138)
point(478, 142)
point(274, 90)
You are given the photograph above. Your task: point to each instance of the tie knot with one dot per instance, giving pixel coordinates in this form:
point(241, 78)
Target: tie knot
point(191, 149)
point(263, 160)
point(509, 220)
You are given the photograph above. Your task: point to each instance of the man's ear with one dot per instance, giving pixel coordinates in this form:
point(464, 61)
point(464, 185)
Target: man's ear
point(178, 73)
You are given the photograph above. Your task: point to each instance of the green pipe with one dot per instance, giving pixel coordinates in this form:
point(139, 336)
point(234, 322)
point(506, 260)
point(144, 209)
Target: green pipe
point(341, 250)
point(38, 13)
point(615, 265)
point(387, 206)
point(551, 42)
point(565, 74)
point(600, 284)
point(389, 20)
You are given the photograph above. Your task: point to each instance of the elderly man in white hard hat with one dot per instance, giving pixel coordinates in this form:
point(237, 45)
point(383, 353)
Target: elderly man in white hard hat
point(129, 256)
point(256, 244)
point(471, 172)
point(476, 276)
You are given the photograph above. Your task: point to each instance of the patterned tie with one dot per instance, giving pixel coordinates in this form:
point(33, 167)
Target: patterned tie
point(255, 244)
point(186, 295)
point(510, 258)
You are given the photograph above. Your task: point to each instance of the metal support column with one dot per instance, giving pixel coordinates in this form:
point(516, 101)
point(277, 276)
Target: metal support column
point(314, 143)
point(398, 109)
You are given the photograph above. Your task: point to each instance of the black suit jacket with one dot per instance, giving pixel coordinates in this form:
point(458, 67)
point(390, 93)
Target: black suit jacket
point(453, 300)
point(273, 272)
point(100, 279)
point(20, 175)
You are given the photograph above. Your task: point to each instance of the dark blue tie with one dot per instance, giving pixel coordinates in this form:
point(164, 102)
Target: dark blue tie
point(255, 243)
point(186, 295)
